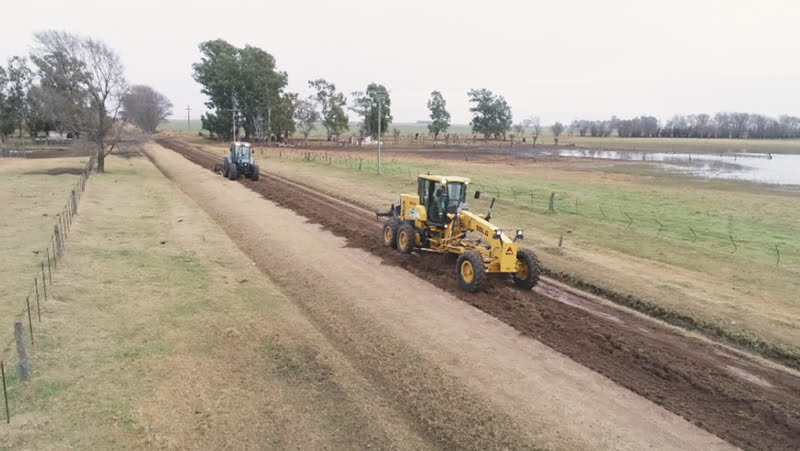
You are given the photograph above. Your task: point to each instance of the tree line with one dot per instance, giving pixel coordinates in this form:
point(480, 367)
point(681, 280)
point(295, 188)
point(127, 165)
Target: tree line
point(74, 86)
point(720, 125)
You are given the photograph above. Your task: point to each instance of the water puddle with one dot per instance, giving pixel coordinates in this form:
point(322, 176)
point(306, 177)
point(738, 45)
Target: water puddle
point(774, 169)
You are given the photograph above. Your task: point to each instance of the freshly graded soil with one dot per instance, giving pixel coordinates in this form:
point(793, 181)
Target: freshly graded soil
point(748, 404)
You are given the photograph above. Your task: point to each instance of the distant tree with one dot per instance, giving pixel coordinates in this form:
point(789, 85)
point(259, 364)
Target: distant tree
point(38, 117)
point(557, 128)
point(491, 114)
point(537, 128)
point(83, 81)
point(283, 116)
point(15, 82)
point(520, 129)
point(305, 116)
point(332, 105)
point(145, 107)
point(243, 85)
point(396, 134)
point(365, 104)
point(739, 124)
point(440, 118)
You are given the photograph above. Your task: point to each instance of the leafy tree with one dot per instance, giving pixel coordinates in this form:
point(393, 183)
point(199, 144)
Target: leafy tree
point(366, 105)
point(82, 81)
point(242, 85)
point(440, 118)
point(145, 107)
point(491, 114)
point(15, 82)
point(305, 115)
point(283, 116)
point(332, 105)
point(557, 128)
point(39, 118)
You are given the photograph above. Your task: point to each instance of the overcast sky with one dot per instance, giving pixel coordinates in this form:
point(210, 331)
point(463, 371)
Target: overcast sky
point(560, 60)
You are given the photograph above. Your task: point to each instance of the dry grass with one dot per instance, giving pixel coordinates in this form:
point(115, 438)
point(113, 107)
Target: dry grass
point(30, 202)
point(162, 334)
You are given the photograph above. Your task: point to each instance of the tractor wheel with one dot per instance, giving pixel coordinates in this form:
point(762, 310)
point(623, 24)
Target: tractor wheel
point(232, 174)
point(527, 274)
point(254, 176)
point(390, 232)
point(406, 238)
point(471, 271)
point(225, 170)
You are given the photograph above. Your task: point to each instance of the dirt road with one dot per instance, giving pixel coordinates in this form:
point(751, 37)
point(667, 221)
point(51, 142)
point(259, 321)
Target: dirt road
point(748, 404)
point(467, 379)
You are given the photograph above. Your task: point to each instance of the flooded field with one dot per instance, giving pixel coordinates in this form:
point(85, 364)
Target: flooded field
point(777, 169)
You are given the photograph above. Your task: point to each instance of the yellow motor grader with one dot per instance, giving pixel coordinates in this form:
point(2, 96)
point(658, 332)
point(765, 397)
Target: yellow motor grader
point(437, 219)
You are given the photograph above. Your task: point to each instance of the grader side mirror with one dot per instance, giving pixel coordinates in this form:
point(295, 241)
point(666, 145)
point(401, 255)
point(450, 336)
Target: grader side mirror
point(477, 194)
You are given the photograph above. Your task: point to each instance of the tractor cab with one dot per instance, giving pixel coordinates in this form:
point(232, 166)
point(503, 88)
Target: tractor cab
point(240, 152)
point(442, 195)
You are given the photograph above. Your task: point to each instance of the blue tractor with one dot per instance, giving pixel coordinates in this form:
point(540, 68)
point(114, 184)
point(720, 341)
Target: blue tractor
point(240, 162)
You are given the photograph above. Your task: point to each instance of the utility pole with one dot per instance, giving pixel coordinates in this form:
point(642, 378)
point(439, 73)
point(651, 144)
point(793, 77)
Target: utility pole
point(189, 117)
point(379, 135)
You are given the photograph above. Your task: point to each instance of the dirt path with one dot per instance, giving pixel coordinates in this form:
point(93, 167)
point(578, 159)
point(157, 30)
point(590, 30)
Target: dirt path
point(465, 377)
point(748, 404)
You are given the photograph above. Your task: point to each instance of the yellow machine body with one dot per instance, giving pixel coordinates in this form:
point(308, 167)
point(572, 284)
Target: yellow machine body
point(460, 231)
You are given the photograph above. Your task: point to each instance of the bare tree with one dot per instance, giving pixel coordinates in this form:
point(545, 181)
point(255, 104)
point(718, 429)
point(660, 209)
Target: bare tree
point(85, 81)
point(145, 107)
point(537, 128)
point(306, 115)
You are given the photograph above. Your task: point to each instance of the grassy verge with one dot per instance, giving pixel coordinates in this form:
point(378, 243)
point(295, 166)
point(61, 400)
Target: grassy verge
point(160, 333)
point(697, 253)
point(34, 192)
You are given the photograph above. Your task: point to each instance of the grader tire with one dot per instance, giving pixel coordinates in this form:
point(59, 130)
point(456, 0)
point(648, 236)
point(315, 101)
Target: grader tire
point(390, 233)
point(406, 238)
point(527, 275)
point(470, 271)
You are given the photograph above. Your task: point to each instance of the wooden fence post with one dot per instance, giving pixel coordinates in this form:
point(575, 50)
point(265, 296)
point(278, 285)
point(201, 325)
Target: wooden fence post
point(23, 366)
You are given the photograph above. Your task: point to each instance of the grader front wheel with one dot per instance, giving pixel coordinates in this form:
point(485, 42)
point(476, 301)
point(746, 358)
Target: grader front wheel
point(471, 271)
point(527, 274)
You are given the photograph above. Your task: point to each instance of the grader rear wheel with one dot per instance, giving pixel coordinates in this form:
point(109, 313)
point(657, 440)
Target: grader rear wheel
point(390, 233)
point(471, 271)
point(406, 238)
point(527, 274)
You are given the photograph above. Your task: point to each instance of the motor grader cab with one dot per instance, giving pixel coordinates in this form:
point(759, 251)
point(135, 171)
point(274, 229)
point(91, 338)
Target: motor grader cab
point(438, 219)
point(239, 162)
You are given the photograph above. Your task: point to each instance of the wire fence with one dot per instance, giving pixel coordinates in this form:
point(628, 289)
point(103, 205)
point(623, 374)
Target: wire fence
point(37, 294)
point(578, 211)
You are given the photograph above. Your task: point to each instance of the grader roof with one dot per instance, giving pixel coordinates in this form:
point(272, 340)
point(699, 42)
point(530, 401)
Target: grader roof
point(444, 178)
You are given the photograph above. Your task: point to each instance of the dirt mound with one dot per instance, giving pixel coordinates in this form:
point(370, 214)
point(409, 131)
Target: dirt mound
point(58, 171)
point(698, 380)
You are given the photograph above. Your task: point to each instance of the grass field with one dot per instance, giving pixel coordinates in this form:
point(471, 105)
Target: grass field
point(704, 251)
point(160, 333)
point(689, 145)
point(31, 198)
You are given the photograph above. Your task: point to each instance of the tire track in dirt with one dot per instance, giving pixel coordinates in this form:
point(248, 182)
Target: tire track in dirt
point(748, 404)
